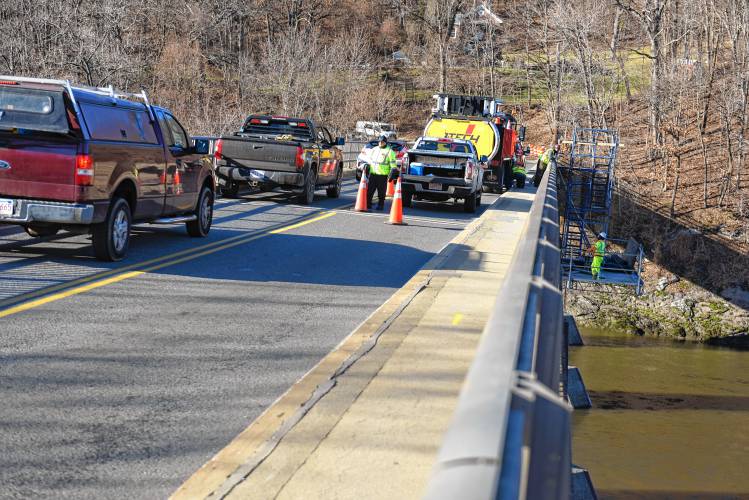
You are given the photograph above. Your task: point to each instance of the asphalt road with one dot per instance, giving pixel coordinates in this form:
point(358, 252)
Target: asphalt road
point(120, 380)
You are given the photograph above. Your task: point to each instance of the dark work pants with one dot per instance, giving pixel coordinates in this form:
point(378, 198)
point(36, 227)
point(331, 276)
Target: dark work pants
point(376, 182)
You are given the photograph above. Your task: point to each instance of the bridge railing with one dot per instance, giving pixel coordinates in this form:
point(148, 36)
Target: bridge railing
point(510, 435)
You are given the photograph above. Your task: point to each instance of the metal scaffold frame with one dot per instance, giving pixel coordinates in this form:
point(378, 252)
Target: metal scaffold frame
point(586, 178)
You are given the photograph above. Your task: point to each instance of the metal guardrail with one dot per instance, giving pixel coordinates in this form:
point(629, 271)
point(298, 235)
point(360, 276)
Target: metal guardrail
point(510, 435)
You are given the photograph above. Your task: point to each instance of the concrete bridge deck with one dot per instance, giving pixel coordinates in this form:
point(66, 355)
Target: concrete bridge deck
point(368, 420)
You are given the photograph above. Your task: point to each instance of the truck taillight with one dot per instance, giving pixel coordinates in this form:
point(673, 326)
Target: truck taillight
point(217, 152)
point(84, 170)
point(470, 169)
point(299, 157)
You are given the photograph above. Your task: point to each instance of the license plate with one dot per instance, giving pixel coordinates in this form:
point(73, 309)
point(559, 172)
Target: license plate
point(433, 186)
point(6, 207)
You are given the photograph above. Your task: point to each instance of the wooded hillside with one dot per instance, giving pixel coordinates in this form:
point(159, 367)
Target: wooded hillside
point(672, 75)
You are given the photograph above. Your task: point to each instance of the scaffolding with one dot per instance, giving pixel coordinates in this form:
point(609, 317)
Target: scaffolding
point(586, 178)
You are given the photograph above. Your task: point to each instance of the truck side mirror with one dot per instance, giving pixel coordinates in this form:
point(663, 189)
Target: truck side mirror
point(201, 146)
point(521, 134)
point(340, 141)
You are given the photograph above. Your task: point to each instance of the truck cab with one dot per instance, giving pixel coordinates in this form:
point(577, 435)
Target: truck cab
point(97, 160)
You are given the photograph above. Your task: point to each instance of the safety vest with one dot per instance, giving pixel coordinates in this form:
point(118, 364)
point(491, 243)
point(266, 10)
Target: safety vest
point(382, 160)
point(600, 249)
point(545, 158)
point(518, 169)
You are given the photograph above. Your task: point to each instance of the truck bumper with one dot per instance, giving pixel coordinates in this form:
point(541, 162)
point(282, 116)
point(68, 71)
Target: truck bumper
point(261, 177)
point(28, 211)
point(449, 187)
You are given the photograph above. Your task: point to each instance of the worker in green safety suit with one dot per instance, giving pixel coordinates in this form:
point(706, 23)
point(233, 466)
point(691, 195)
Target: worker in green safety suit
point(598, 250)
point(382, 161)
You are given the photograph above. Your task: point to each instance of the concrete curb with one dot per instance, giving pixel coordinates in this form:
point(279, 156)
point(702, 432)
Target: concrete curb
point(252, 445)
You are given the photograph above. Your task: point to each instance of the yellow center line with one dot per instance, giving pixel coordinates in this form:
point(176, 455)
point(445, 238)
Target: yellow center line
point(176, 258)
point(136, 265)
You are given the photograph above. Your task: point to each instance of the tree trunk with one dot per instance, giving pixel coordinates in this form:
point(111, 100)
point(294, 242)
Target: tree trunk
point(443, 68)
point(676, 184)
point(614, 46)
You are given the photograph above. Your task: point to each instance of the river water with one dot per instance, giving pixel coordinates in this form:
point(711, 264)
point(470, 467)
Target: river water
point(669, 419)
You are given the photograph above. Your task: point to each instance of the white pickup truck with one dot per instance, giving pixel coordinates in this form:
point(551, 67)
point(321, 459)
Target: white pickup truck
point(438, 169)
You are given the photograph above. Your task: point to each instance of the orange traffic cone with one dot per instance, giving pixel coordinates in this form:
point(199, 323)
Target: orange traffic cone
point(391, 189)
point(361, 196)
point(177, 182)
point(396, 209)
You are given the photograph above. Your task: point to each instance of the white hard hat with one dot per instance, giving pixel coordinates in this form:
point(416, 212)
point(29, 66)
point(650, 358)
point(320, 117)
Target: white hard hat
point(603, 235)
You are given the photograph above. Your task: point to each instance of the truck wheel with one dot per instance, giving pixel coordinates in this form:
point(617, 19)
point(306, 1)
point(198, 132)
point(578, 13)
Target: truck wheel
point(486, 189)
point(469, 204)
point(230, 189)
point(408, 200)
point(111, 238)
point(308, 196)
point(39, 231)
point(334, 191)
point(199, 227)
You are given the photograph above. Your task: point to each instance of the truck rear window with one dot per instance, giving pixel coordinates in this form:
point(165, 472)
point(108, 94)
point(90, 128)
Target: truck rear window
point(32, 109)
point(450, 147)
point(277, 126)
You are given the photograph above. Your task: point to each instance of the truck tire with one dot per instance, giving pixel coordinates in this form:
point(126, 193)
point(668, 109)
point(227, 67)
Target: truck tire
point(230, 189)
point(334, 191)
point(308, 196)
point(408, 200)
point(111, 238)
point(469, 204)
point(199, 227)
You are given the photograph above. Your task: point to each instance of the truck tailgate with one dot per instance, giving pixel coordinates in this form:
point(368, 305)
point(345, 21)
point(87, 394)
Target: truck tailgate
point(438, 165)
point(37, 168)
point(260, 154)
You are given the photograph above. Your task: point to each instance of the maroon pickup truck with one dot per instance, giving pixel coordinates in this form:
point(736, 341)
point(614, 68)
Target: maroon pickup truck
point(97, 160)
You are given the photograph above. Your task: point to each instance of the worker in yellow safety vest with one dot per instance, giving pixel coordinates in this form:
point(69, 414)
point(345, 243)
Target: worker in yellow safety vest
point(543, 161)
point(381, 162)
point(598, 250)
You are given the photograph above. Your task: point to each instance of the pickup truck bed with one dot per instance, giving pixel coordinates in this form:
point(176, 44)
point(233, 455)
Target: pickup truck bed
point(273, 152)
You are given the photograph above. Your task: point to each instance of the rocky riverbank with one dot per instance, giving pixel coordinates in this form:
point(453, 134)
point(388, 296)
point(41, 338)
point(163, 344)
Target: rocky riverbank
point(672, 307)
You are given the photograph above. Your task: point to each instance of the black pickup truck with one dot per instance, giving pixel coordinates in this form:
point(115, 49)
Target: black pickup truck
point(278, 152)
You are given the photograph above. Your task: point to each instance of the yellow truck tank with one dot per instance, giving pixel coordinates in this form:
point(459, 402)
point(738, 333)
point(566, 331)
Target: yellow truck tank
point(483, 134)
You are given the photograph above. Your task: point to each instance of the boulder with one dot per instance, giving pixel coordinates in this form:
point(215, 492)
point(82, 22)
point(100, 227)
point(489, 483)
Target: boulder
point(667, 280)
